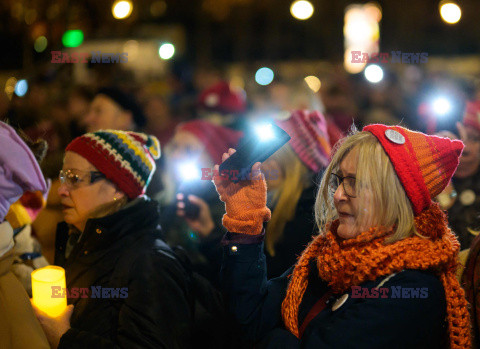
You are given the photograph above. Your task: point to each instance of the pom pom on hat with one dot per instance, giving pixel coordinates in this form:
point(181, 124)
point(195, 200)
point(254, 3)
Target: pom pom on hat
point(423, 163)
point(125, 158)
point(309, 137)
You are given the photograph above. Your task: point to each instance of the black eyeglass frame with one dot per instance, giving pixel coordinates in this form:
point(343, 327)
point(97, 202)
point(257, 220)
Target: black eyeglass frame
point(340, 181)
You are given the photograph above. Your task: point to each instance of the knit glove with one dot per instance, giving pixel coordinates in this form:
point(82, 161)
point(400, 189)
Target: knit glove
point(245, 201)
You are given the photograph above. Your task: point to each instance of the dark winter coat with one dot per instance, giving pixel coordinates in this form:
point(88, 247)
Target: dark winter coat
point(124, 251)
point(359, 323)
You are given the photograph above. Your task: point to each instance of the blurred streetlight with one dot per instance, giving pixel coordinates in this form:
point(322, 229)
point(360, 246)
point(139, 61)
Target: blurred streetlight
point(264, 76)
point(374, 73)
point(72, 38)
point(450, 11)
point(21, 88)
point(166, 51)
point(313, 82)
point(301, 9)
point(122, 9)
point(40, 44)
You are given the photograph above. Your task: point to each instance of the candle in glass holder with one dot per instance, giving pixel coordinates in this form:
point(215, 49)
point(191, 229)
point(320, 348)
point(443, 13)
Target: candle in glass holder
point(48, 285)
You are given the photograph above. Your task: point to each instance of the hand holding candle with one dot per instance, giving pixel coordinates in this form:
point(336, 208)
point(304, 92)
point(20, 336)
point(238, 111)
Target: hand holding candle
point(44, 281)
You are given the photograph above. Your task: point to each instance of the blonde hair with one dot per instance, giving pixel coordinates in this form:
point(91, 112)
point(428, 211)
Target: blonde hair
point(377, 188)
point(295, 180)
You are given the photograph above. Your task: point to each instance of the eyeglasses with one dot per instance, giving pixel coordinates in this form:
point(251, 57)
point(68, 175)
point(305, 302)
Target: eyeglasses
point(74, 178)
point(348, 184)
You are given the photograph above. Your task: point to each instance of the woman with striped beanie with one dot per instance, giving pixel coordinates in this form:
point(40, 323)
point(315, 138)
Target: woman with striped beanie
point(125, 286)
point(380, 274)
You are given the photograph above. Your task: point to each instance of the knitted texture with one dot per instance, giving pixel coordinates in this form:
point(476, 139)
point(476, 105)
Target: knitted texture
point(471, 117)
point(26, 209)
point(423, 163)
point(216, 139)
point(245, 204)
point(309, 137)
point(347, 263)
point(125, 158)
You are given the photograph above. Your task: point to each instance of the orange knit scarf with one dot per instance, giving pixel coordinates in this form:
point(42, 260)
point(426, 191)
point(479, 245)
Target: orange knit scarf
point(346, 263)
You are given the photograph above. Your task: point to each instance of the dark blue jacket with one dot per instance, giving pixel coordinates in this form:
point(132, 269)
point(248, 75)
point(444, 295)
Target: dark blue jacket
point(394, 322)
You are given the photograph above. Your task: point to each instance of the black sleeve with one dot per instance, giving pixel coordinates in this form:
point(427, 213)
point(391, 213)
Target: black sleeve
point(254, 301)
point(156, 312)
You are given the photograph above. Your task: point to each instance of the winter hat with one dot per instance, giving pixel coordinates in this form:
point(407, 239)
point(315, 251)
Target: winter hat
point(125, 158)
point(216, 139)
point(127, 102)
point(471, 117)
point(309, 137)
point(223, 99)
point(423, 163)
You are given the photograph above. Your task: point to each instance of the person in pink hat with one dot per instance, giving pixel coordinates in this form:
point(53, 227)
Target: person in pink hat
point(291, 173)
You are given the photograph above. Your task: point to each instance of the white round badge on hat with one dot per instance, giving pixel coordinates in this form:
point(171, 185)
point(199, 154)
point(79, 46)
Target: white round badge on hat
point(212, 100)
point(341, 301)
point(395, 136)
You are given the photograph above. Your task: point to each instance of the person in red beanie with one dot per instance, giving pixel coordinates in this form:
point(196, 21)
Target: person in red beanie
point(380, 274)
point(195, 147)
point(291, 173)
point(223, 104)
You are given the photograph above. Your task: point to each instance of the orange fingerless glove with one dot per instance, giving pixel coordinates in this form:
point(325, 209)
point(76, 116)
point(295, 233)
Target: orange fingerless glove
point(245, 205)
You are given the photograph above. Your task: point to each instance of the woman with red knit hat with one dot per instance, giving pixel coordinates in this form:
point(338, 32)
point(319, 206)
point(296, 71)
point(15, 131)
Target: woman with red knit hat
point(382, 271)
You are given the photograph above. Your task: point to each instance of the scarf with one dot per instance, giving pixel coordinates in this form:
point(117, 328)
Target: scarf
point(346, 263)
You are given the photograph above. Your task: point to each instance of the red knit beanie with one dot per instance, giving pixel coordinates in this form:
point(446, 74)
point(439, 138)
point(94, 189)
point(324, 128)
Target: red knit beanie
point(423, 163)
point(471, 117)
point(223, 99)
point(309, 137)
point(216, 139)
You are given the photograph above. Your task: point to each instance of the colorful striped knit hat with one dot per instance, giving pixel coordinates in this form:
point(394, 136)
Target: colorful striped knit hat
point(423, 163)
point(125, 158)
point(309, 137)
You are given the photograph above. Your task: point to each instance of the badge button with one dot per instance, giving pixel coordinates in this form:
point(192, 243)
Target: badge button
point(341, 301)
point(395, 136)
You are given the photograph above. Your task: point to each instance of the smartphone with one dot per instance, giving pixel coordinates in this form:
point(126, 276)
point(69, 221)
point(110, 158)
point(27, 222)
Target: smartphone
point(253, 149)
point(192, 211)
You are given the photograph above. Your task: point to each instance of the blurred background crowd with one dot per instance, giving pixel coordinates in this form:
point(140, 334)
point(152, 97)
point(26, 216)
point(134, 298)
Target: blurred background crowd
point(199, 74)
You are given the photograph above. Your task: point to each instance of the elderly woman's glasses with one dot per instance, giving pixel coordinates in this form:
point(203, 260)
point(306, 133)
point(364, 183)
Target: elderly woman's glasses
point(348, 184)
point(74, 178)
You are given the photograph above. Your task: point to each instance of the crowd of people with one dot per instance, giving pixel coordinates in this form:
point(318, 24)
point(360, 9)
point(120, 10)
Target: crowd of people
point(365, 236)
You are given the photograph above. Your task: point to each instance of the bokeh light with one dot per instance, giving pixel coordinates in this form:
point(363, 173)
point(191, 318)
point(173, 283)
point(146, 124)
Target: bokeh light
point(441, 106)
point(450, 12)
point(166, 51)
point(374, 73)
point(122, 9)
point(301, 9)
point(313, 83)
point(40, 44)
point(21, 88)
point(72, 38)
point(264, 76)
